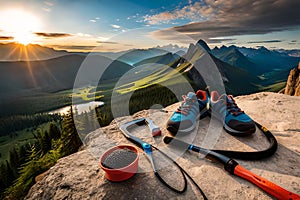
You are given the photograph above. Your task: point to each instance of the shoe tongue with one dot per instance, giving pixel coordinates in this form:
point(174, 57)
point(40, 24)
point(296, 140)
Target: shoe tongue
point(189, 99)
point(225, 98)
point(191, 95)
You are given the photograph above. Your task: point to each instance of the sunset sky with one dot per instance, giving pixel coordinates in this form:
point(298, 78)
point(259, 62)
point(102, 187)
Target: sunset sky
point(112, 25)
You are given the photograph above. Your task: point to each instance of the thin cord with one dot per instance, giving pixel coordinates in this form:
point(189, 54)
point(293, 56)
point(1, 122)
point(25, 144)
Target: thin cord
point(183, 173)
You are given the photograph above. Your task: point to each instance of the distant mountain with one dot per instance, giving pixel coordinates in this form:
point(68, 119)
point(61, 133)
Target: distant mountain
point(53, 74)
point(292, 52)
point(257, 61)
point(203, 44)
point(269, 60)
point(180, 53)
point(234, 57)
point(136, 55)
point(31, 52)
point(172, 48)
point(236, 80)
point(252, 52)
point(166, 59)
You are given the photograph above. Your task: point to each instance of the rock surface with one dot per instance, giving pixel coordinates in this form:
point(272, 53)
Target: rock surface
point(78, 176)
point(293, 83)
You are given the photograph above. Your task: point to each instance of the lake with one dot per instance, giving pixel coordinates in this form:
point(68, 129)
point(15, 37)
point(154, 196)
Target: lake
point(83, 107)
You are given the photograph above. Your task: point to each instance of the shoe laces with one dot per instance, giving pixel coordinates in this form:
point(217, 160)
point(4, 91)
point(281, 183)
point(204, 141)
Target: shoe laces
point(186, 105)
point(232, 107)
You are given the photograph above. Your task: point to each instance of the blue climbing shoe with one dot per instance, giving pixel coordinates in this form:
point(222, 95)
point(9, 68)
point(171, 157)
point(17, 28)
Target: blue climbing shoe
point(235, 121)
point(184, 118)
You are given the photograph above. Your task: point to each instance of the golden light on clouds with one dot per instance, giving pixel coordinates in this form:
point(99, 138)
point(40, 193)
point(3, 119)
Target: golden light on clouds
point(20, 25)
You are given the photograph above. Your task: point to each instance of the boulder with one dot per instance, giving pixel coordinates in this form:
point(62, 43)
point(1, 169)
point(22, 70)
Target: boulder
point(293, 83)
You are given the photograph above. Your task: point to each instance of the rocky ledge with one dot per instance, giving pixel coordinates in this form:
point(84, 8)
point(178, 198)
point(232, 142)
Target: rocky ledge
point(78, 176)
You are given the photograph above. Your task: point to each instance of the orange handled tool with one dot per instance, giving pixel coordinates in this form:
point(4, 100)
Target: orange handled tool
point(233, 167)
point(269, 187)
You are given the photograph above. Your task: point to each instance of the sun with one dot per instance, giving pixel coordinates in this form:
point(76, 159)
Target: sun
point(20, 24)
point(24, 38)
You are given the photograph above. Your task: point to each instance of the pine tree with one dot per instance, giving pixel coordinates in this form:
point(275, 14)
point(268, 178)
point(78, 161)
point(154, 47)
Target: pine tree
point(6, 177)
point(14, 161)
point(23, 153)
point(54, 131)
point(45, 142)
point(70, 138)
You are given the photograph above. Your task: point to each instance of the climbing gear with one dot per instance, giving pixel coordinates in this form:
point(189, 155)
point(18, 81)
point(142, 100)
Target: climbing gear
point(222, 156)
point(184, 118)
point(254, 155)
point(233, 167)
point(148, 150)
point(155, 130)
point(235, 121)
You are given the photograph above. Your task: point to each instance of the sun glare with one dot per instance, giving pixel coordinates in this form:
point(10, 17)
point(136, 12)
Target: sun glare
point(20, 24)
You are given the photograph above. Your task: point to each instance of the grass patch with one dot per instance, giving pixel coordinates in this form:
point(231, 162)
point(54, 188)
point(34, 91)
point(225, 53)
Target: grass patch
point(274, 87)
point(161, 75)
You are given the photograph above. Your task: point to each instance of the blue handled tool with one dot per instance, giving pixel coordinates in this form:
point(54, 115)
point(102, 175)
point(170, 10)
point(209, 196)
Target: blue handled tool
point(148, 150)
point(148, 147)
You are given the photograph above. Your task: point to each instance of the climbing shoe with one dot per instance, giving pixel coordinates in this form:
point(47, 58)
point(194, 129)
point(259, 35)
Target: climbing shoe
point(235, 121)
point(184, 118)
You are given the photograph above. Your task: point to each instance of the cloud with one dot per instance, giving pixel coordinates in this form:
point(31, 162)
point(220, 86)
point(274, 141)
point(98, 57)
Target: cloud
point(83, 35)
point(46, 9)
point(219, 40)
point(160, 18)
point(95, 19)
point(133, 16)
point(74, 47)
point(232, 17)
point(6, 38)
point(48, 3)
point(112, 42)
point(115, 26)
point(266, 41)
point(52, 35)
point(196, 11)
point(107, 42)
point(293, 43)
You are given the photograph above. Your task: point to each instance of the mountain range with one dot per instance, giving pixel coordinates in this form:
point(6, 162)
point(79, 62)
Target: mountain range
point(53, 74)
point(256, 61)
point(243, 70)
point(30, 52)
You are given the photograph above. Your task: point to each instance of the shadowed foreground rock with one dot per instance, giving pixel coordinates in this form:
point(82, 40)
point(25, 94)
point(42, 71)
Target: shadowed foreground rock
point(78, 176)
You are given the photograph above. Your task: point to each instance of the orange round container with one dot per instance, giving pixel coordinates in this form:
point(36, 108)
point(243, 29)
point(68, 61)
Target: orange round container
point(124, 173)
